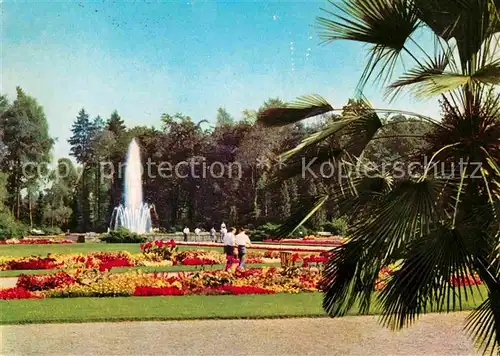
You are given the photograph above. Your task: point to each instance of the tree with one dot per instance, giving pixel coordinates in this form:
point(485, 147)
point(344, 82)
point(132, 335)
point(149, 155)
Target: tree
point(116, 124)
point(4, 105)
point(223, 118)
point(440, 224)
point(249, 116)
point(81, 143)
point(25, 134)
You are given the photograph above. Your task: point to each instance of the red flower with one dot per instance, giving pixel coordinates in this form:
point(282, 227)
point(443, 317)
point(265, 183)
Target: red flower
point(17, 293)
point(195, 261)
point(33, 263)
point(151, 291)
point(51, 281)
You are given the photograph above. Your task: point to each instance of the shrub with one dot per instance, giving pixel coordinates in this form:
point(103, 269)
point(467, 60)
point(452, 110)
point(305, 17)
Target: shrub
point(303, 231)
point(263, 231)
point(336, 227)
point(48, 230)
point(10, 227)
point(123, 235)
point(269, 230)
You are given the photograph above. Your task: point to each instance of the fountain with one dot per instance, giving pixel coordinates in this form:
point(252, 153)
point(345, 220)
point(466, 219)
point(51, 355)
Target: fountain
point(134, 214)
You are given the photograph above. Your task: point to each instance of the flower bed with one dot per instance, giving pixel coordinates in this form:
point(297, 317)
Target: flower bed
point(469, 280)
point(259, 247)
point(93, 283)
point(34, 242)
point(18, 293)
point(109, 260)
point(306, 242)
point(39, 283)
point(33, 263)
point(387, 272)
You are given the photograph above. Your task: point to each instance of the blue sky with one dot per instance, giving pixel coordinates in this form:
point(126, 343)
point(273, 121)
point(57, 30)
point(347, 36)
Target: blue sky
point(145, 58)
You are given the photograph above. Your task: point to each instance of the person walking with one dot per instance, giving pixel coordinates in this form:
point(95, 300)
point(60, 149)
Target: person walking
point(197, 232)
point(186, 233)
point(223, 232)
point(229, 248)
point(242, 241)
point(212, 234)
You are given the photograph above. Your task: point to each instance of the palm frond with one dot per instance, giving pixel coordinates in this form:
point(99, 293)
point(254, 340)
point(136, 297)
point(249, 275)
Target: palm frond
point(432, 66)
point(317, 137)
point(430, 81)
point(311, 206)
point(386, 24)
point(302, 108)
point(470, 23)
point(362, 130)
point(483, 325)
point(402, 215)
point(360, 125)
point(424, 281)
point(309, 160)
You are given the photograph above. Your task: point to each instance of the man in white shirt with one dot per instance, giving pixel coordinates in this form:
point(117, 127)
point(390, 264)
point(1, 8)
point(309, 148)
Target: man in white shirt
point(242, 241)
point(223, 232)
point(186, 233)
point(197, 232)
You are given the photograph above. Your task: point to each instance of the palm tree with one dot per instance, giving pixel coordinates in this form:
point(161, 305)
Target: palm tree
point(436, 226)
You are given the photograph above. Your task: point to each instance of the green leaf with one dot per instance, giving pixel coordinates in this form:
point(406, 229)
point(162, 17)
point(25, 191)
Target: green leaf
point(483, 326)
point(302, 108)
point(423, 282)
point(299, 217)
point(386, 24)
point(379, 236)
point(430, 81)
point(317, 137)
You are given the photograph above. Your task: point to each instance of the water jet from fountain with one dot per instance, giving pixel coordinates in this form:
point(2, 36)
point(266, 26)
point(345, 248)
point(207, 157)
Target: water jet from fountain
point(133, 214)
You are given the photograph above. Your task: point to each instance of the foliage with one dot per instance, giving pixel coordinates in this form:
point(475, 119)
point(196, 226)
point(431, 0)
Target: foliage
point(442, 223)
point(81, 196)
point(123, 235)
point(10, 227)
point(264, 231)
point(49, 230)
point(25, 135)
point(337, 226)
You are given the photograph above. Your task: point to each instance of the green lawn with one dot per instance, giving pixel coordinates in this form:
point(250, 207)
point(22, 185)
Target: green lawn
point(55, 310)
point(178, 268)
point(84, 248)
point(159, 308)
point(43, 250)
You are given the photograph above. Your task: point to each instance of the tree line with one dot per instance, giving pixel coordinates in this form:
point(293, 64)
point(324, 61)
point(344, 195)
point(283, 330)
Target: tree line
point(80, 193)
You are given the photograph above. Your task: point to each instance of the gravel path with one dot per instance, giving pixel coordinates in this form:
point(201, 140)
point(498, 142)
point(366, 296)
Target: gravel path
point(432, 335)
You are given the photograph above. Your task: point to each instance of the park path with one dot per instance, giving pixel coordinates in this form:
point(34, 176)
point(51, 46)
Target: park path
point(433, 335)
